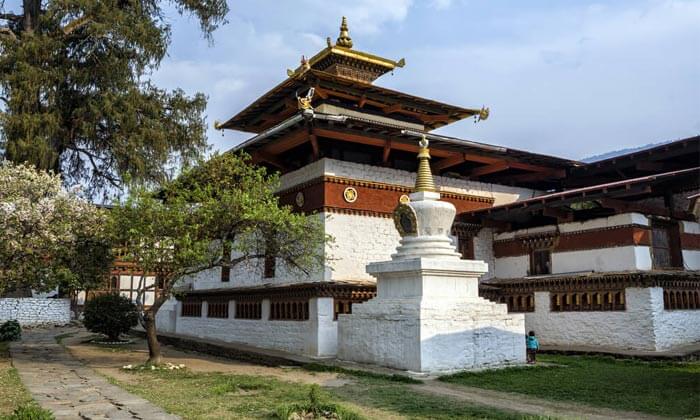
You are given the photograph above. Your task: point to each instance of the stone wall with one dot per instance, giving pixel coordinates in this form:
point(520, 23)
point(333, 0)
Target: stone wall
point(316, 336)
point(35, 311)
point(643, 325)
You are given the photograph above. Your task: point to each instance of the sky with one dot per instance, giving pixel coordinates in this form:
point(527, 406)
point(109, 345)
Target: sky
point(567, 78)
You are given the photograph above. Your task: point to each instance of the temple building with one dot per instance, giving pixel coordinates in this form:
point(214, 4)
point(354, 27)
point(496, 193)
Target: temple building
point(605, 254)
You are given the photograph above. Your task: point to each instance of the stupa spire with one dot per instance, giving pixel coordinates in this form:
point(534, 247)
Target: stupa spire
point(344, 39)
point(424, 177)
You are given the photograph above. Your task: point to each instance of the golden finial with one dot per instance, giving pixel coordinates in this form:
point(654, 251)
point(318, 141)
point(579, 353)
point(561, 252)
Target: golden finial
point(344, 39)
point(424, 178)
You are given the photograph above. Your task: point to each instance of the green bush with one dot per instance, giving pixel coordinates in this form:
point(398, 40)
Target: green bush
point(30, 411)
point(10, 331)
point(315, 409)
point(110, 315)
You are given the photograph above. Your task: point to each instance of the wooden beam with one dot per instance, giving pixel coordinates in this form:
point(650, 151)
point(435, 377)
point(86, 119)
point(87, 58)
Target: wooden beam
point(625, 206)
point(314, 146)
point(496, 224)
point(287, 142)
point(538, 176)
point(365, 138)
point(261, 156)
point(489, 169)
point(435, 118)
point(386, 152)
point(448, 162)
point(561, 215)
point(321, 92)
point(392, 108)
point(362, 101)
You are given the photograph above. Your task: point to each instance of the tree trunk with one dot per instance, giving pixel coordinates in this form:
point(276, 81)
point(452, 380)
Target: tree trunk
point(31, 9)
point(154, 356)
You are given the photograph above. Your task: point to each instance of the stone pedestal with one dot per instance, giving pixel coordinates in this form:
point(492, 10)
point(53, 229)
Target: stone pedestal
point(427, 317)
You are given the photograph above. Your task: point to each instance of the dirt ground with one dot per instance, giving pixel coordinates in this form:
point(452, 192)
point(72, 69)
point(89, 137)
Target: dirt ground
point(109, 361)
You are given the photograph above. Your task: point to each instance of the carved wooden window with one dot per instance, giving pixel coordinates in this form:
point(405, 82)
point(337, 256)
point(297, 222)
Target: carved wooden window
point(249, 310)
point(217, 309)
point(341, 306)
point(191, 307)
point(665, 245)
point(540, 262)
point(681, 299)
point(114, 283)
point(225, 267)
point(611, 300)
point(289, 310)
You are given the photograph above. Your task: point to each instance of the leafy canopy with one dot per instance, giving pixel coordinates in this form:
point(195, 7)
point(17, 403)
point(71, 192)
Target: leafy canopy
point(76, 95)
point(222, 213)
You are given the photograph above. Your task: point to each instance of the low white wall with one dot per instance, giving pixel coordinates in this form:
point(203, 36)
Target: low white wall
point(35, 311)
point(632, 328)
point(316, 337)
point(676, 327)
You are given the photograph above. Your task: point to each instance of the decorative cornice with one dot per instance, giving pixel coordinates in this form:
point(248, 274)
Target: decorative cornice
point(357, 212)
point(359, 292)
point(378, 186)
point(689, 280)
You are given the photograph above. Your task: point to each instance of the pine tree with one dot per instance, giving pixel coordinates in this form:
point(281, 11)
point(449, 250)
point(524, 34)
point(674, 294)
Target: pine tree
point(76, 95)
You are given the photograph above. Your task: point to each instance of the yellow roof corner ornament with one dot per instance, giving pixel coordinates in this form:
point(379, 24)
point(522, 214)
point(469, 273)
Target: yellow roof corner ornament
point(483, 114)
point(344, 39)
point(401, 63)
point(304, 102)
point(217, 125)
point(329, 44)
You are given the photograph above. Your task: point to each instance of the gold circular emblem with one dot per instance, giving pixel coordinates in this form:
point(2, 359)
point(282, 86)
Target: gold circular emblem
point(350, 194)
point(404, 199)
point(299, 199)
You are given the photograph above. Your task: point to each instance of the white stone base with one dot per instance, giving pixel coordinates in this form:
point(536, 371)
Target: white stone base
point(428, 318)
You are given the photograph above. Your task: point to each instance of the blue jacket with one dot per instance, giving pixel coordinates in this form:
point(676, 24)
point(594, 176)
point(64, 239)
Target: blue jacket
point(532, 342)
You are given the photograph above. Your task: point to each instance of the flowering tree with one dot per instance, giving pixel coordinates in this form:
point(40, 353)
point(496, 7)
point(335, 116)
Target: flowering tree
point(48, 235)
point(220, 214)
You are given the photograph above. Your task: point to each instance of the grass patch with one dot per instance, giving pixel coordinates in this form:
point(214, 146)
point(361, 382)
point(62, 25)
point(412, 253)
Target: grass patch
point(225, 396)
point(398, 398)
point(315, 367)
point(662, 388)
point(13, 394)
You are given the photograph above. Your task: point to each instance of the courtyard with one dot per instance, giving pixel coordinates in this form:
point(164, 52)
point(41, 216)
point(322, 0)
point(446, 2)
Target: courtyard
point(208, 387)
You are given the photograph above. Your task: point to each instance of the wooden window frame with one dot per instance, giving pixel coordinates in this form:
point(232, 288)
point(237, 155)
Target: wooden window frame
point(251, 309)
point(674, 249)
point(191, 308)
point(289, 310)
point(533, 271)
point(217, 309)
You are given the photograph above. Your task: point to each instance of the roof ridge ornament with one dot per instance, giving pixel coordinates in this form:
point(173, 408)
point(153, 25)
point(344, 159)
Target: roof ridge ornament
point(344, 39)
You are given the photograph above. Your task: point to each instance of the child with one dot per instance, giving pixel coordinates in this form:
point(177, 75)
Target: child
point(532, 346)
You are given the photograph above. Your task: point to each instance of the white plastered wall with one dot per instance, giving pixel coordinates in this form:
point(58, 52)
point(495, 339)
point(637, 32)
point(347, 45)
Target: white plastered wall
point(643, 325)
point(691, 257)
point(621, 258)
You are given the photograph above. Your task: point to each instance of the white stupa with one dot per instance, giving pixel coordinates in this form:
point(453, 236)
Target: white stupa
point(428, 316)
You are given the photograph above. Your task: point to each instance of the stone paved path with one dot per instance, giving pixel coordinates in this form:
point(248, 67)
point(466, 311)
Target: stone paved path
point(62, 384)
point(527, 404)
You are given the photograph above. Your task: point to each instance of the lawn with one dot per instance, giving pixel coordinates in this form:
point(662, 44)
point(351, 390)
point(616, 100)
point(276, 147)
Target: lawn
point(12, 392)
point(662, 388)
point(225, 396)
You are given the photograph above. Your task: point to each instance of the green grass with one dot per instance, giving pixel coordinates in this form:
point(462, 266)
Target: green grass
point(315, 367)
point(662, 388)
point(224, 396)
point(12, 393)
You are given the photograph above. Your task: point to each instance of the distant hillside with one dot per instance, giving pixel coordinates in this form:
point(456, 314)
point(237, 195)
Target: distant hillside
point(615, 153)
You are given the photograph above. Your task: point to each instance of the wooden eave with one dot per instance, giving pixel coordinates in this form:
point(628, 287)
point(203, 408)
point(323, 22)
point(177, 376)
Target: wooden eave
point(279, 103)
point(613, 196)
point(671, 156)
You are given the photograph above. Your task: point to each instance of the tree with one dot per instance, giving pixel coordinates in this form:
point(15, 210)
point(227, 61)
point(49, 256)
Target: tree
point(45, 230)
point(111, 315)
point(220, 214)
point(76, 97)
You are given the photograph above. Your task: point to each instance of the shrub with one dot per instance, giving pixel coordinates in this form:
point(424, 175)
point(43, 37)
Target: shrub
point(10, 331)
point(110, 315)
point(30, 411)
point(315, 409)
